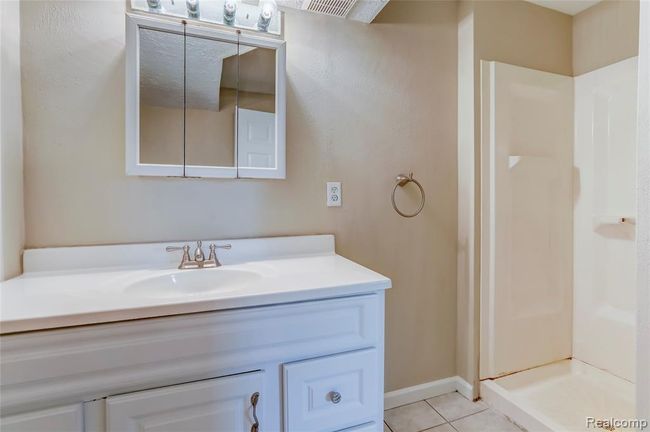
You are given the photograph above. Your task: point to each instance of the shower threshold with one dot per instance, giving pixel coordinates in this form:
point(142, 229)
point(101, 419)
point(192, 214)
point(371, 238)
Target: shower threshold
point(563, 397)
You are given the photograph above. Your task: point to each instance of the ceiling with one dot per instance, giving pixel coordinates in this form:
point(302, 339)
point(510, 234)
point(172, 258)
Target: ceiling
point(569, 7)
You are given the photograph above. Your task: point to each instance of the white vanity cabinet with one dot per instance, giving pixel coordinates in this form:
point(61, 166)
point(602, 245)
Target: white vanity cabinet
point(287, 336)
point(315, 365)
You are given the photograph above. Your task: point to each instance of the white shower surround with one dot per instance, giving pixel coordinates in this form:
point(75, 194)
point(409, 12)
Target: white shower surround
point(604, 290)
point(604, 259)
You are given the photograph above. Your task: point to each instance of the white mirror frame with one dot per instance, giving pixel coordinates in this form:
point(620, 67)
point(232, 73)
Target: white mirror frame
point(132, 97)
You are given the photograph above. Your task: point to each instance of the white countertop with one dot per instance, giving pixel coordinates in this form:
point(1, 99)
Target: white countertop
point(288, 269)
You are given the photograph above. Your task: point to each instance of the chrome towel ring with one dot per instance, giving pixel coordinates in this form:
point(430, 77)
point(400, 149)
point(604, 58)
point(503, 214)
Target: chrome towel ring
point(401, 181)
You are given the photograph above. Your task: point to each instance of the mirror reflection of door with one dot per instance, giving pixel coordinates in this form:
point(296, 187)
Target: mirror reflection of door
point(161, 97)
point(256, 137)
point(211, 98)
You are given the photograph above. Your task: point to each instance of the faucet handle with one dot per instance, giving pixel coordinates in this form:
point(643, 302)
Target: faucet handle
point(213, 251)
point(212, 260)
point(185, 261)
point(175, 248)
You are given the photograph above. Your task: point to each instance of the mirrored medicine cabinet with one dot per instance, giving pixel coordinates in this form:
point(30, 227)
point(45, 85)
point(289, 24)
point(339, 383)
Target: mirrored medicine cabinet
point(203, 102)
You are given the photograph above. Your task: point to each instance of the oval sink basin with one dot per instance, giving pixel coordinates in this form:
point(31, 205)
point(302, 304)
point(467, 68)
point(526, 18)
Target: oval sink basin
point(192, 282)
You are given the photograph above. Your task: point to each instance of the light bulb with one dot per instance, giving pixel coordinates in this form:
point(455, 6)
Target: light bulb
point(229, 11)
point(192, 8)
point(153, 4)
point(267, 10)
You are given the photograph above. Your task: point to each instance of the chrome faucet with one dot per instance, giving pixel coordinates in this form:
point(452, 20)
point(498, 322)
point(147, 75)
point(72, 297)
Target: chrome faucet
point(199, 260)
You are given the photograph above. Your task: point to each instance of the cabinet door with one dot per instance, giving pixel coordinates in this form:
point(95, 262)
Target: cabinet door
point(62, 419)
point(220, 404)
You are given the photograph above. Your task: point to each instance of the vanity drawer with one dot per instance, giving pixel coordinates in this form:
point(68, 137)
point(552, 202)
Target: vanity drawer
point(331, 393)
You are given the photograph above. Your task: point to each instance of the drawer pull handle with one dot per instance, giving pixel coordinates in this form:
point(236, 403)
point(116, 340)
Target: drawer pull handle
point(255, 397)
point(335, 397)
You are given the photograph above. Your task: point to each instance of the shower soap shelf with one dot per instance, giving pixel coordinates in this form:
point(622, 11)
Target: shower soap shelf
point(614, 220)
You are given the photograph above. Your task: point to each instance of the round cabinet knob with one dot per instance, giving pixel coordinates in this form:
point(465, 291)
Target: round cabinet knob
point(335, 397)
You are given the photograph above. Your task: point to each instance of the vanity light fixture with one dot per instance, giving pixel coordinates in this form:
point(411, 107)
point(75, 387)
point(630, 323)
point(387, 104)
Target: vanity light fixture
point(229, 11)
point(262, 16)
point(268, 8)
point(192, 8)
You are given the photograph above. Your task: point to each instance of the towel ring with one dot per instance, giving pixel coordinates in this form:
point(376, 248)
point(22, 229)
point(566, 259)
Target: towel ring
point(401, 181)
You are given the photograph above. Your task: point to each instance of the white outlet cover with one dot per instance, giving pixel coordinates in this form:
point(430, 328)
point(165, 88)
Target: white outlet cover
point(334, 194)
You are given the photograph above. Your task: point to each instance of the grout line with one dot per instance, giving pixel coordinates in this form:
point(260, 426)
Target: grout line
point(432, 427)
point(398, 406)
point(421, 400)
point(462, 417)
point(469, 415)
point(438, 412)
point(428, 427)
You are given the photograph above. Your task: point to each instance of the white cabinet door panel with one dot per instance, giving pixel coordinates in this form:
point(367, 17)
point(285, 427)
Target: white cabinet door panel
point(62, 419)
point(216, 405)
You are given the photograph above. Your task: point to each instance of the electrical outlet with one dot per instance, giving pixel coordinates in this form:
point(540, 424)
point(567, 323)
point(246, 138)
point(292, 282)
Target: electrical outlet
point(334, 195)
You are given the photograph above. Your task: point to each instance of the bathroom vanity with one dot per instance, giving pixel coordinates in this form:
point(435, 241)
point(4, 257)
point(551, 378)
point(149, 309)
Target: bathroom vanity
point(286, 335)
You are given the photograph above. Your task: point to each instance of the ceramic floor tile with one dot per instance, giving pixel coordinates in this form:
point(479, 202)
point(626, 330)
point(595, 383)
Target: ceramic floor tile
point(414, 417)
point(453, 406)
point(442, 428)
point(485, 421)
point(386, 429)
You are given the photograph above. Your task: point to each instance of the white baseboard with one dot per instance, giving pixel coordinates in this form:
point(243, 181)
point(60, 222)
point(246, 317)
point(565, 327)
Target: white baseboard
point(464, 388)
point(427, 390)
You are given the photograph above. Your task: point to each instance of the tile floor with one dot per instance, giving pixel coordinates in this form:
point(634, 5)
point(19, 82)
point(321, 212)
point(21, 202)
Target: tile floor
point(450, 412)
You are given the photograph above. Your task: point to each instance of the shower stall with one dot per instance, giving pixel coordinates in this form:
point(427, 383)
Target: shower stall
point(558, 214)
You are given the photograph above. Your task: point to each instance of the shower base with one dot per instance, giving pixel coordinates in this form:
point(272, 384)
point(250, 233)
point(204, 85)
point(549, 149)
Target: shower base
point(560, 396)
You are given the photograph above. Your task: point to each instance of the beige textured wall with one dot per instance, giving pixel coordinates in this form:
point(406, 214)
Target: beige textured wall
point(514, 32)
point(466, 264)
point(11, 145)
point(356, 114)
point(605, 33)
point(161, 133)
point(523, 34)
